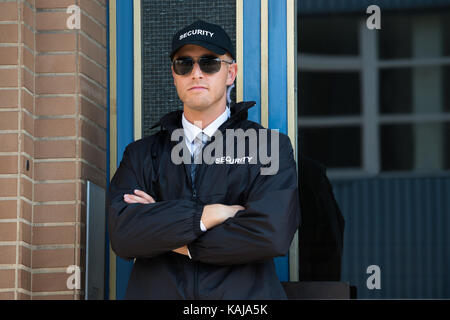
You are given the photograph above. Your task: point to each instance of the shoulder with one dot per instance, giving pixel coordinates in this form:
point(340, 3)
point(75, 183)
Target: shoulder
point(144, 145)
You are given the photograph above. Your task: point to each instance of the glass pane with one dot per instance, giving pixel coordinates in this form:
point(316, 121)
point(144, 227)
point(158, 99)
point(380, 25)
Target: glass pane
point(404, 36)
point(414, 90)
point(446, 34)
point(328, 93)
point(445, 88)
point(395, 90)
point(336, 35)
point(395, 37)
point(335, 147)
point(417, 147)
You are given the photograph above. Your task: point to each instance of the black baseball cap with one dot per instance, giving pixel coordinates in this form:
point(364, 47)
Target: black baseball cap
point(204, 34)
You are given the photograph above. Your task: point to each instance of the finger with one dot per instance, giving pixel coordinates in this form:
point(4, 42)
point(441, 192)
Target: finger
point(138, 199)
point(144, 195)
point(127, 199)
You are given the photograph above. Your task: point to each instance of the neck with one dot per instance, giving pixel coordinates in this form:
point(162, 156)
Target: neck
point(206, 117)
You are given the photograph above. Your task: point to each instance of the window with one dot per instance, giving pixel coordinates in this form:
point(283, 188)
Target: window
point(375, 101)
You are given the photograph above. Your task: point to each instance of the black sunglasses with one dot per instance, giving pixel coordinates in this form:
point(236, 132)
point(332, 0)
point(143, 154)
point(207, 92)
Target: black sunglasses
point(207, 64)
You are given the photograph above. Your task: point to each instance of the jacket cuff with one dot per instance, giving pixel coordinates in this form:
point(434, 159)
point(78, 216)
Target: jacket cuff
point(197, 219)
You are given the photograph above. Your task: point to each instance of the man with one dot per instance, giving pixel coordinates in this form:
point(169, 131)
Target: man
point(199, 230)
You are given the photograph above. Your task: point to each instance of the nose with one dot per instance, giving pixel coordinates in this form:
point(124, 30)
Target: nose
point(196, 71)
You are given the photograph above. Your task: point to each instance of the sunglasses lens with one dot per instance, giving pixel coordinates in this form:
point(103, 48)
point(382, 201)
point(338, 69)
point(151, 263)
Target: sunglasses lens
point(209, 65)
point(182, 66)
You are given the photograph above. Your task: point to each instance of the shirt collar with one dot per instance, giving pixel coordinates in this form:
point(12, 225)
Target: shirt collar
point(191, 131)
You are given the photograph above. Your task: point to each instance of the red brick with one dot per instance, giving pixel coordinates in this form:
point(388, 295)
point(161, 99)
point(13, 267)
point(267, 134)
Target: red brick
point(26, 188)
point(7, 254)
point(9, 120)
point(8, 55)
point(24, 279)
point(55, 213)
point(43, 282)
point(25, 256)
point(55, 127)
point(93, 134)
point(9, 98)
point(28, 80)
point(93, 174)
point(53, 235)
point(8, 188)
point(8, 209)
point(27, 145)
point(8, 232)
point(8, 11)
point(9, 142)
point(52, 4)
point(9, 78)
point(93, 71)
point(27, 101)
point(94, 10)
point(93, 155)
point(59, 63)
point(93, 91)
point(28, 123)
point(8, 164)
point(28, 37)
point(55, 149)
point(7, 278)
point(55, 106)
point(46, 42)
point(8, 33)
point(53, 258)
point(27, 58)
point(25, 210)
point(55, 171)
point(94, 51)
point(51, 20)
point(93, 113)
point(95, 31)
point(25, 232)
point(55, 84)
point(55, 192)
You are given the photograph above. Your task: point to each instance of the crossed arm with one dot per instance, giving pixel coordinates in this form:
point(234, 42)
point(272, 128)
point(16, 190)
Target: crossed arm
point(213, 214)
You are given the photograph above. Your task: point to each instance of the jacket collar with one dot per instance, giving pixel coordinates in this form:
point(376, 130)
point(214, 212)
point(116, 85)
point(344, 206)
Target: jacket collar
point(239, 112)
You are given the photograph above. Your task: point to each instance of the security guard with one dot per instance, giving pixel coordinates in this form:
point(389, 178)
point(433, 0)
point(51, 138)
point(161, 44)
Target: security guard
point(203, 230)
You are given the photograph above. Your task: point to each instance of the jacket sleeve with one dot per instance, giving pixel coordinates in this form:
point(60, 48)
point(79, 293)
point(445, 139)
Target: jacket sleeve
point(147, 230)
point(265, 228)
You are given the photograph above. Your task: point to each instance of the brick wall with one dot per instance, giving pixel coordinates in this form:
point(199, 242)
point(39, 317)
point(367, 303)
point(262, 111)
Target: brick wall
point(52, 140)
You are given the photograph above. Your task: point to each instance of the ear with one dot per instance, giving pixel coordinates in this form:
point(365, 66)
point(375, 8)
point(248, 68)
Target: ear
point(232, 73)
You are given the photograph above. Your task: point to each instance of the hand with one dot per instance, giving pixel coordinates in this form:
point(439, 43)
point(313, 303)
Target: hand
point(138, 197)
point(141, 197)
point(215, 214)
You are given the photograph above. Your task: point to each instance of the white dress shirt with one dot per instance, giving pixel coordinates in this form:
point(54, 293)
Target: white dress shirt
point(191, 131)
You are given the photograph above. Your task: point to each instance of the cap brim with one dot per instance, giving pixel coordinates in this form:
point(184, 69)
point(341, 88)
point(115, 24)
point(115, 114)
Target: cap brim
point(207, 45)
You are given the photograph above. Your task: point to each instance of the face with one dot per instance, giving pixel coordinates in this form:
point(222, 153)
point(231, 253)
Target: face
point(200, 91)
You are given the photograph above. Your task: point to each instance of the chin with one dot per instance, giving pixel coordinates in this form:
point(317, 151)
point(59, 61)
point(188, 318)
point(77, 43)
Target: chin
point(197, 105)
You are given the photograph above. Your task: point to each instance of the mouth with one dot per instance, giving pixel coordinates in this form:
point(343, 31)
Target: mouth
point(197, 88)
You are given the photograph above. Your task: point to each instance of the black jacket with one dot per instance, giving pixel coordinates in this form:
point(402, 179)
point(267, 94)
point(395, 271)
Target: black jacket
point(233, 260)
point(321, 234)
